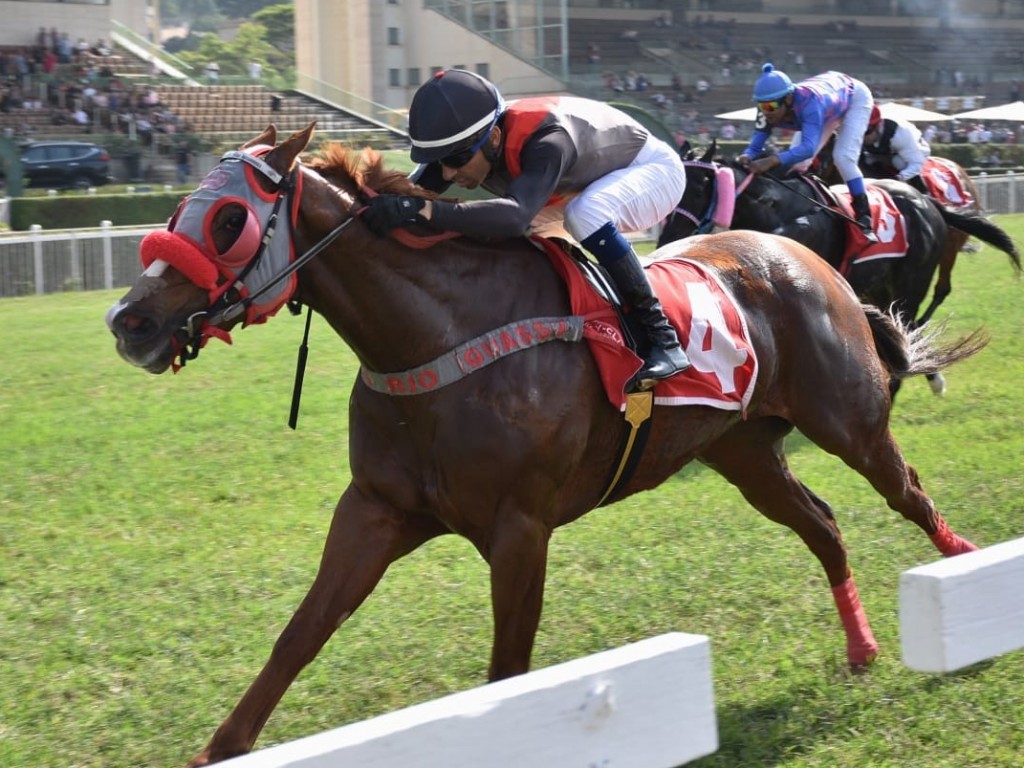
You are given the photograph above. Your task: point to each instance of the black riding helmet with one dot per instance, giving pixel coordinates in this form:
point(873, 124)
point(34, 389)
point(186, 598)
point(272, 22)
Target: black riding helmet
point(451, 112)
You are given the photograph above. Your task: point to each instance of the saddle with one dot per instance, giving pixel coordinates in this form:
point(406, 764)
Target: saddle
point(887, 221)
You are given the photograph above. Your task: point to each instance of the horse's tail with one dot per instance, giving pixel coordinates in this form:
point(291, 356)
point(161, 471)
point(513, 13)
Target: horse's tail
point(906, 351)
point(981, 228)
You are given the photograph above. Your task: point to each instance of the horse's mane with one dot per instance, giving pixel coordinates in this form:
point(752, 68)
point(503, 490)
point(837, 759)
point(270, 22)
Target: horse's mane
point(365, 169)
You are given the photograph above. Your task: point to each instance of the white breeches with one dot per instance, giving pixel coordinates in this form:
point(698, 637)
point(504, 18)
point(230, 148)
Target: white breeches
point(634, 198)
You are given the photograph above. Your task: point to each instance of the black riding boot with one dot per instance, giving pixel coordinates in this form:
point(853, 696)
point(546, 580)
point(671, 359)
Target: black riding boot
point(862, 213)
point(666, 357)
point(918, 183)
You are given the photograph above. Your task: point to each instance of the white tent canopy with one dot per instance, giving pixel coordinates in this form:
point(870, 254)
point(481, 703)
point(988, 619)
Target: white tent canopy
point(749, 114)
point(1012, 111)
point(896, 111)
point(889, 109)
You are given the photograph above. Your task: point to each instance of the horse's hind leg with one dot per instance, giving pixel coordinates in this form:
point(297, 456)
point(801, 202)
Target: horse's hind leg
point(365, 538)
point(751, 457)
point(871, 450)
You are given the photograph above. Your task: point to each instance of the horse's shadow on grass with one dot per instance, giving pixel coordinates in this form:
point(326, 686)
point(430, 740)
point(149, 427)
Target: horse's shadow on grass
point(767, 733)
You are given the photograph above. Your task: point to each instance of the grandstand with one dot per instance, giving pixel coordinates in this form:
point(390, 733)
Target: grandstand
point(692, 63)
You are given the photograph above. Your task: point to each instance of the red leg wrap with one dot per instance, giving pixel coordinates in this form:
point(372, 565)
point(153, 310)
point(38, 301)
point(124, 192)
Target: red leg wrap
point(861, 646)
point(948, 543)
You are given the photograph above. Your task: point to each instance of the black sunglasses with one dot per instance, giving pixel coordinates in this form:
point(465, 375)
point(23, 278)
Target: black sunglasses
point(460, 157)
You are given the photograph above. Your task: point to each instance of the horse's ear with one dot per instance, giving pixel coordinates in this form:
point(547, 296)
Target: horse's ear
point(283, 156)
point(686, 150)
point(709, 152)
point(268, 138)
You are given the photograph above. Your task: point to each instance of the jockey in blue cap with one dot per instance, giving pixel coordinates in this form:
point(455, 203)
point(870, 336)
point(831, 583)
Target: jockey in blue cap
point(815, 108)
point(582, 161)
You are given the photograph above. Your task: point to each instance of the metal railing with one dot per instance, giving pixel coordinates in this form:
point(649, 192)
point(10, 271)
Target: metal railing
point(39, 262)
point(386, 118)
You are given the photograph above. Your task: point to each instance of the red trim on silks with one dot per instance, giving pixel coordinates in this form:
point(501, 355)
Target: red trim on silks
point(949, 543)
point(182, 254)
point(861, 646)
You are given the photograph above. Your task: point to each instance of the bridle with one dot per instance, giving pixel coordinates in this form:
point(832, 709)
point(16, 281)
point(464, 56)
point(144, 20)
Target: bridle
point(721, 200)
point(231, 299)
point(703, 222)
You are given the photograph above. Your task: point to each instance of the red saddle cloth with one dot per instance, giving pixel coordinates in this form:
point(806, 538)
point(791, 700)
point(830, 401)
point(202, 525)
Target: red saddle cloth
point(942, 179)
point(889, 225)
point(711, 327)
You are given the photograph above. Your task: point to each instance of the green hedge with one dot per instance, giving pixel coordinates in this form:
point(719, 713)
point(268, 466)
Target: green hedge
point(75, 211)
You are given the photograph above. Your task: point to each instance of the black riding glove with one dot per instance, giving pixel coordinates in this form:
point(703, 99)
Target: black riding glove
point(385, 212)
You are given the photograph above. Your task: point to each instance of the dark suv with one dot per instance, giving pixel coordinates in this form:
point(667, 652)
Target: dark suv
point(65, 164)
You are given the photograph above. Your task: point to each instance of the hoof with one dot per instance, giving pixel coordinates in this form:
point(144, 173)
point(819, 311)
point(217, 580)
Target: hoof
point(861, 657)
point(938, 384)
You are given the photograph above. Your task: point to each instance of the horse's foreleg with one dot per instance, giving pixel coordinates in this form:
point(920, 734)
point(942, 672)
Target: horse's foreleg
point(751, 457)
point(517, 554)
point(366, 536)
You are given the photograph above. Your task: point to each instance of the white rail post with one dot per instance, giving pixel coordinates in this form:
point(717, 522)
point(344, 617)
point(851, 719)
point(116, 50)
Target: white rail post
point(1012, 201)
point(108, 254)
point(36, 233)
point(75, 258)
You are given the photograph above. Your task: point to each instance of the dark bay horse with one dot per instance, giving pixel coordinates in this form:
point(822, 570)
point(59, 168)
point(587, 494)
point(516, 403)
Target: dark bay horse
point(506, 454)
point(792, 207)
point(939, 174)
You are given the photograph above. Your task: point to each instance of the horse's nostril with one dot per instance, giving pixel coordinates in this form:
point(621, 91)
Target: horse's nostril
point(132, 323)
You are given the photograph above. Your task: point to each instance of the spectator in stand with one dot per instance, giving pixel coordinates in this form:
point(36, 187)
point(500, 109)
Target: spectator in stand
point(930, 133)
point(182, 157)
point(80, 117)
point(63, 48)
point(895, 149)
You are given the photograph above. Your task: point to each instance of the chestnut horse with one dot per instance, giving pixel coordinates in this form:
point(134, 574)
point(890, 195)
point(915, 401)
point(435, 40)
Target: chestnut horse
point(506, 454)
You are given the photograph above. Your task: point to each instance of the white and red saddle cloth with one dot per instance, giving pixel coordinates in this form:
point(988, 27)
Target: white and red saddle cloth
point(711, 326)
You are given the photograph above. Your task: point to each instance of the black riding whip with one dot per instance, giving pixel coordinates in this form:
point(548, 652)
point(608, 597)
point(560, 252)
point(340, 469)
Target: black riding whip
point(300, 371)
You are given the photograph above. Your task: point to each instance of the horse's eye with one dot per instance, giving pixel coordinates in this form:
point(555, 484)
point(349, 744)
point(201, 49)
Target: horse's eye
point(235, 222)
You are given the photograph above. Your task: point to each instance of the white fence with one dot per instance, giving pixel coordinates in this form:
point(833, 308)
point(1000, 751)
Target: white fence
point(70, 260)
point(962, 610)
point(645, 705)
point(108, 257)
